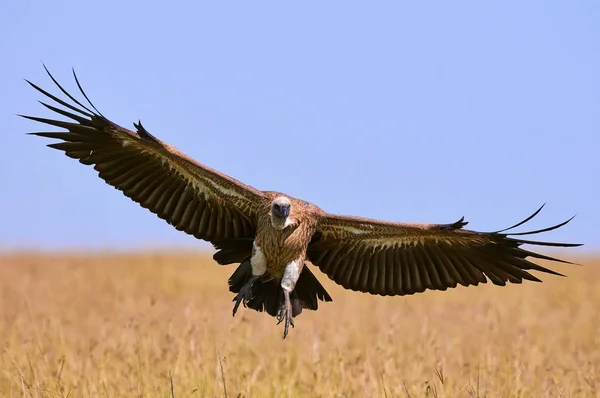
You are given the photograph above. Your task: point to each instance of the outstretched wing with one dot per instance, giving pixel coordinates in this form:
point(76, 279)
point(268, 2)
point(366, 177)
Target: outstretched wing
point(387, 258)
point(188, 195)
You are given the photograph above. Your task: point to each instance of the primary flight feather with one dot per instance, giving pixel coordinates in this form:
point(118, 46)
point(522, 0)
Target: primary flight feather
point(271, 235)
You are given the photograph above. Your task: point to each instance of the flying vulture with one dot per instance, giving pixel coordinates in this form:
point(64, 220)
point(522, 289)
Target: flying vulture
point(271, 234)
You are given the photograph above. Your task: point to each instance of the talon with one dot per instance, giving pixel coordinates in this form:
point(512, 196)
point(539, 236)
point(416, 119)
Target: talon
point(285, 313)
point(245, 294)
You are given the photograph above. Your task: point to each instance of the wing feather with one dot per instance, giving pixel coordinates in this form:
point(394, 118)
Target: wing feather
point(386, 258)
point(188, 195)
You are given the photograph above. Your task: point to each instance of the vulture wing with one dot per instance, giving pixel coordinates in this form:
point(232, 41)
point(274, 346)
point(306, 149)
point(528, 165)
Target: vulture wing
point(386, 258)
point(188, 195)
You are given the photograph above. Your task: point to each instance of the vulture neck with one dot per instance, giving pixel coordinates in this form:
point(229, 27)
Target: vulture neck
point(281, 223)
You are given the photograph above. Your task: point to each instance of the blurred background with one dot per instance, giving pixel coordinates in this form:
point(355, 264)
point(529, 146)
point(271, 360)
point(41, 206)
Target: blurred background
point(404, 111)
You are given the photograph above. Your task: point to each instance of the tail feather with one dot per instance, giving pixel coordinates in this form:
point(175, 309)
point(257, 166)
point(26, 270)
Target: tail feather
point(309, 290)
point(268, 296)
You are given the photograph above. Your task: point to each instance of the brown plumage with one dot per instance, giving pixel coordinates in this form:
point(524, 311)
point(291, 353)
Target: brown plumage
point(291, 243)
point(272, 235)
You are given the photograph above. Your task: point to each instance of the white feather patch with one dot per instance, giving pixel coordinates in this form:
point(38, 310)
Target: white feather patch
point(258, 261)
point(355, 231)
point(291, 275)
point(225, 191)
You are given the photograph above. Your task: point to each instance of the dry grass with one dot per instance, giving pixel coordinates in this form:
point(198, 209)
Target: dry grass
point(126, 325)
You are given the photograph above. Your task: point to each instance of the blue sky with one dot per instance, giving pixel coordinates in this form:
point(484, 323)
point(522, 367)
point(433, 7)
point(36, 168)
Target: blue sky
point(404, 111)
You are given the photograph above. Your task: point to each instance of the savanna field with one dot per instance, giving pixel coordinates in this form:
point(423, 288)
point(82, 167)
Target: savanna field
point(160, 325)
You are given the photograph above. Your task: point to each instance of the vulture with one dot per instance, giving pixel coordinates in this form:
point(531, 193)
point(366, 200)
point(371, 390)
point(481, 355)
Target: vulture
point(272, 235)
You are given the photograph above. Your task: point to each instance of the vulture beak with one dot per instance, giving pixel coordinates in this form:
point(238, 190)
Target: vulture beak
point(285, 211)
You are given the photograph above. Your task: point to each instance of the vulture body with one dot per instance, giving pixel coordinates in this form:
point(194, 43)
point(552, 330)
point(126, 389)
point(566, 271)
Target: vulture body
point(272, 235)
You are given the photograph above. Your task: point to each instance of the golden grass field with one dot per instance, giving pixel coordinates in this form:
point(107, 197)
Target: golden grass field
point(127, 325)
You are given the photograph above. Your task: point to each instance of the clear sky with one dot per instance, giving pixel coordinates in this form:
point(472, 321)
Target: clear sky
point(404, 111)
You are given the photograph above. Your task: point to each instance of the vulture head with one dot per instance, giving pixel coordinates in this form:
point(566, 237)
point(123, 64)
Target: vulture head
point(281, 208)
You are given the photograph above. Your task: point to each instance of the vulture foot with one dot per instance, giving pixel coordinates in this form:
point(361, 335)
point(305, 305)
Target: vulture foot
point(245, 293)
point(285, 313)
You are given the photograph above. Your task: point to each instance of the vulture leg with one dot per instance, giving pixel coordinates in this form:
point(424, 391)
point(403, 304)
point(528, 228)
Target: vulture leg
point(285, 313)
point(245, 293)
point(288, 283)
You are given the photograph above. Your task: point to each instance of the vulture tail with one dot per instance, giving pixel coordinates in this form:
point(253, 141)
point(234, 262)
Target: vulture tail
point(268, 296)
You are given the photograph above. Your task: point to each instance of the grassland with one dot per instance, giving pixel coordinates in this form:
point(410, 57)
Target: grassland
point(157, 325)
